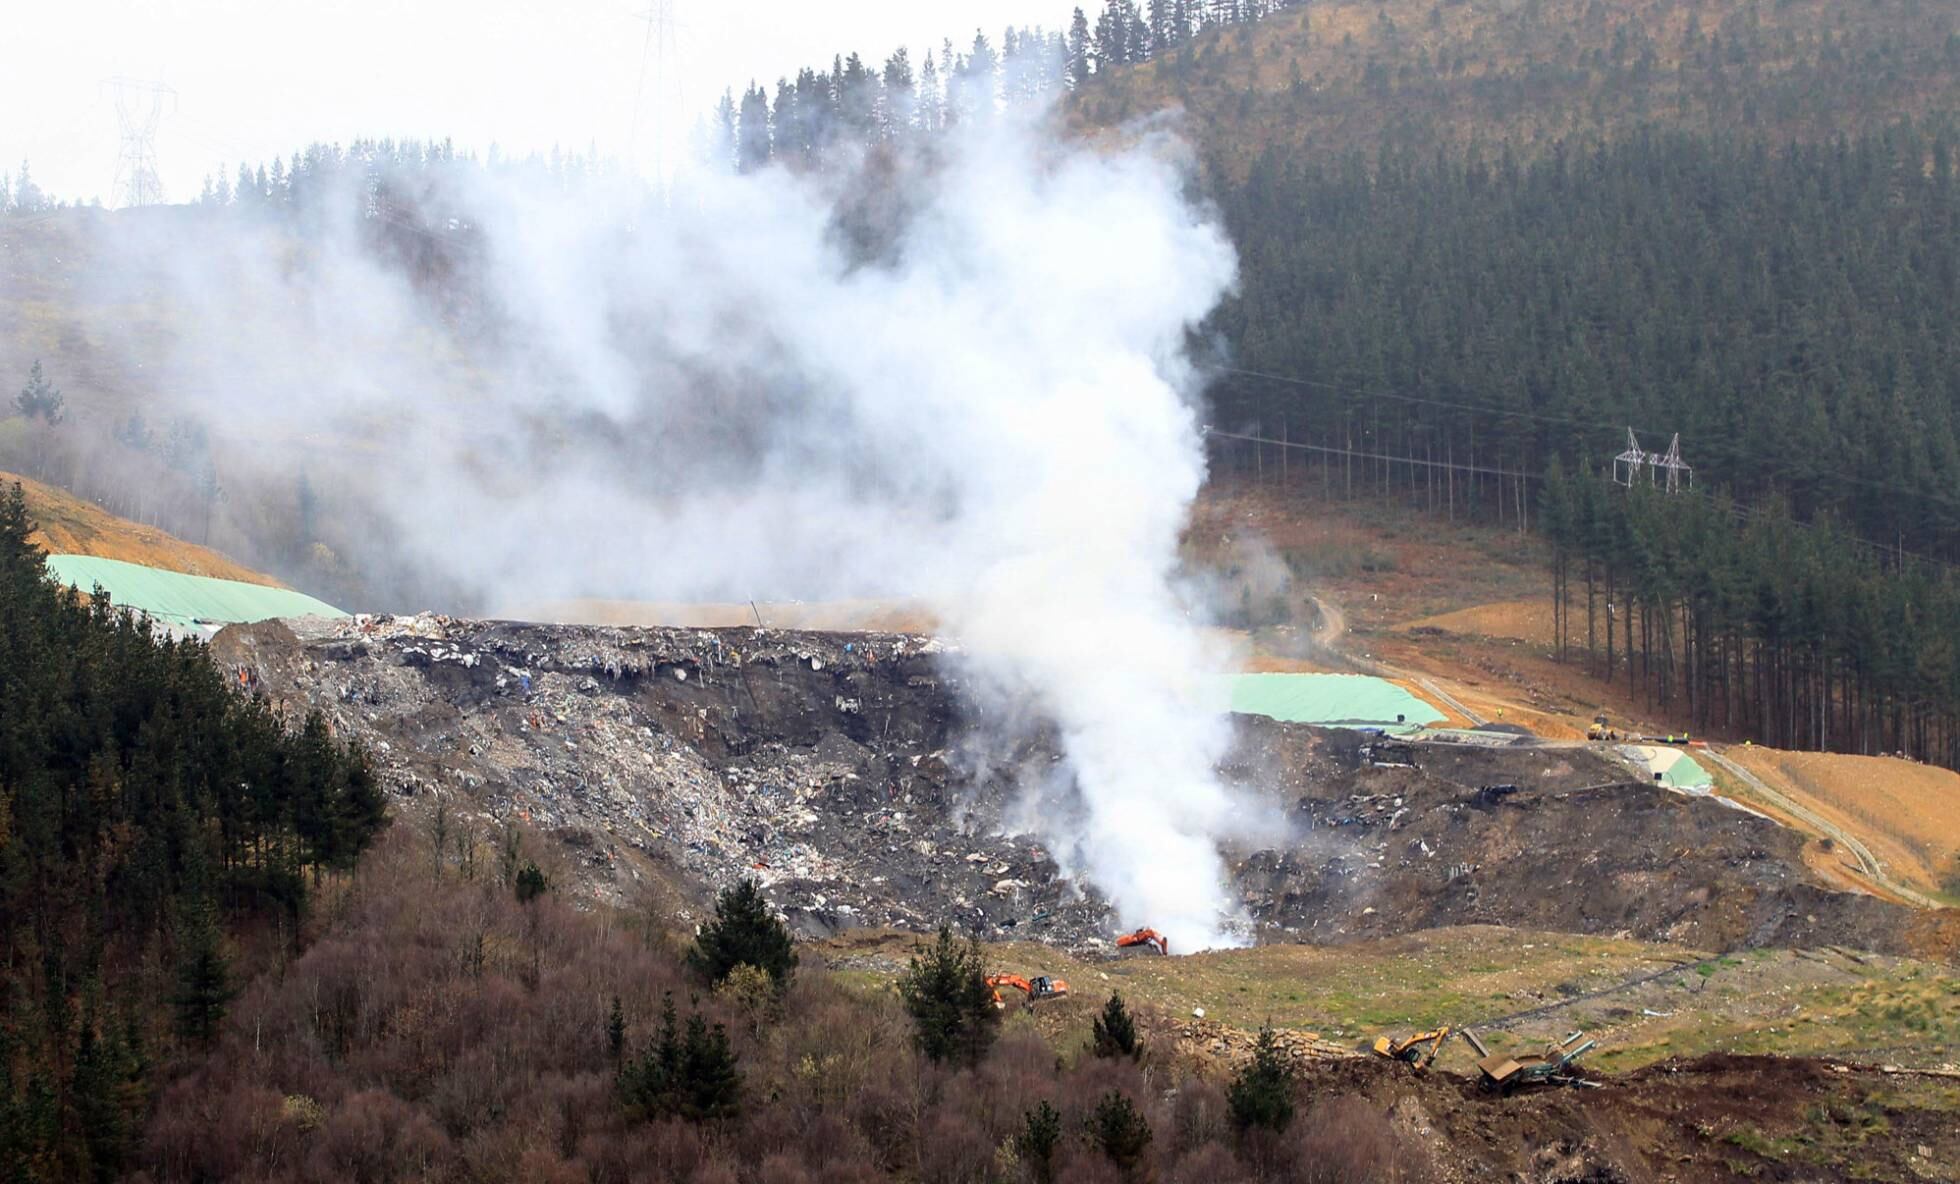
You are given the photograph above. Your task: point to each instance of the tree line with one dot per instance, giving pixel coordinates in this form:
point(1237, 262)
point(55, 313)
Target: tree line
point(147, 810)
point(1748, 623)
point(817, 114)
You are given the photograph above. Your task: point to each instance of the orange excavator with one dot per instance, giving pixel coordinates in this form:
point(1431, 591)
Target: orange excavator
point(1145, 937)
point(1036, 989)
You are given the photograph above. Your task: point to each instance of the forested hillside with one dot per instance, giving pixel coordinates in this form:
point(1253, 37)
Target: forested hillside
point(1336, 75)
point(1475, 240)
point(147, 811)
point(1786, 308)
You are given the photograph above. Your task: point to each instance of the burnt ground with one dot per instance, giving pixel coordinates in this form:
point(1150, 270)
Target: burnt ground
point(842, 770)
point(1553, 838)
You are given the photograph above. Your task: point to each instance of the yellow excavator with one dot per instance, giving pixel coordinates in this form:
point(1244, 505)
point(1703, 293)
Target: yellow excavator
point(1420, 1050)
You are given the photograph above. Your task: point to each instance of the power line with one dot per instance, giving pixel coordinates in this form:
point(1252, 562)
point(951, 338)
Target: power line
point(1515, 475)
point(1835, 476)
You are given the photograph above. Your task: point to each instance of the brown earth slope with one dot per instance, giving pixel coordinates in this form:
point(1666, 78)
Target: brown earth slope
point(68, 525)
point(1907, 813)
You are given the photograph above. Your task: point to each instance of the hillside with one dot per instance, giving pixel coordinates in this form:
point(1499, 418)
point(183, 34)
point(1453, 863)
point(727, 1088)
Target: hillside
point(67, 525)
point(1349, 75)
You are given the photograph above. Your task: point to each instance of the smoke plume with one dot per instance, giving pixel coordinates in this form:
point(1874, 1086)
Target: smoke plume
point(973, 393)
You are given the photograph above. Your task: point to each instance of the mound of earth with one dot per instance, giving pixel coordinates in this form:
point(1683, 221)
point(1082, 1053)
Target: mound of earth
point(1906, 812)
point(848, 772)
point(1714, 1118)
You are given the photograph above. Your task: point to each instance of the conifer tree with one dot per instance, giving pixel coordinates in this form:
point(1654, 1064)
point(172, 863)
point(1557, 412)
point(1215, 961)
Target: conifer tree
point(1115, 1033)
point(952, 1008)
point(203, 981)
point(1120, 1130)
point(1040, 1135)
point(1261, 1095)
point(743, 931)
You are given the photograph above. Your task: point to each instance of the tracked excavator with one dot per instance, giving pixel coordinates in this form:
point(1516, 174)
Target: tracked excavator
point(1420, 1050)
point(1036, 989)
point(1145, 937)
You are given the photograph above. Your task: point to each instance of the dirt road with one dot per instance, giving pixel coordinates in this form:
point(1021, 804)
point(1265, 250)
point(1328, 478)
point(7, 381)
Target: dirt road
point(1867, 862)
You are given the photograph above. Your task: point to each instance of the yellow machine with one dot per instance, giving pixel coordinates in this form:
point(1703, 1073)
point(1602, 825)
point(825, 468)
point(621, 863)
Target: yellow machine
point(1420, 1050)
point(1601, 729)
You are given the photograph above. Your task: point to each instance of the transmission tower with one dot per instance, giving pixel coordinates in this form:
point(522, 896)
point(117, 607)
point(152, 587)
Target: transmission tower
point(1665, 469)
point(139, 110)
point(660, 50)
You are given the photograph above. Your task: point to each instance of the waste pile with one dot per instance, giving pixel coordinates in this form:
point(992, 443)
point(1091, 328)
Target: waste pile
point(821, 764)
point(852, 775)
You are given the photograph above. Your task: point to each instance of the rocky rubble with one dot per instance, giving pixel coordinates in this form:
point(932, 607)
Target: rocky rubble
point(817, 763)
point(846, 772)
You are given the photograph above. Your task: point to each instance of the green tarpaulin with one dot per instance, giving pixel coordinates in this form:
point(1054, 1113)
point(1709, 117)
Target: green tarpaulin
point(1672, 767)
point(184, 601)
point(1354, 700)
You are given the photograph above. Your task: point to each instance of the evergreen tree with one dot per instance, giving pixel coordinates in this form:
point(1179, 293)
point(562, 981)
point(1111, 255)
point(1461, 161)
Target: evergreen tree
point(39, 399)
point(711, 1085)
point(531, 882)
point(743, 931)
point(688, 1073)
point(1120, 1130)
point(752, 143)
point(952, 1008)
point(1115, 1033)
point(137, 785)
point(616, 1033)
point(203, 982)
point(1040, 1135)
point(1079, 46)
point(1261, 1094)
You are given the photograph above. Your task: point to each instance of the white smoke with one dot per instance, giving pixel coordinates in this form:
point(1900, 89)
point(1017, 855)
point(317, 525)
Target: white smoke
point(718, 403)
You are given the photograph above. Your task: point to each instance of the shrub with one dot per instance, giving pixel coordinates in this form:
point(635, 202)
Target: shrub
point(531, 882)
point(743, 932)
point(952, 1008)
point(1115, 1033)
point(753, 995)
point(1262, 1093)
point(1347, 1140)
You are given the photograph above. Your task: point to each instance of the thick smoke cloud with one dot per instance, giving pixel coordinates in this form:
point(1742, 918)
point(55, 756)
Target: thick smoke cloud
point(722, 399)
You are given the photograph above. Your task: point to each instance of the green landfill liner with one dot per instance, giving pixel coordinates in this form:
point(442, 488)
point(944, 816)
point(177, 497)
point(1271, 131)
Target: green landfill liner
point(1353, 700)
point(179, 599)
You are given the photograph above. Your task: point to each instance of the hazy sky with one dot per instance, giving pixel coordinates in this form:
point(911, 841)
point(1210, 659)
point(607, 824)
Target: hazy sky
point(255, 78)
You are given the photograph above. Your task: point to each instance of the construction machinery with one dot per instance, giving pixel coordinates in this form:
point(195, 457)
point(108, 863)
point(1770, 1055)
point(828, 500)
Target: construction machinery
point(1505, 1073)
point(1420, 1050)
point(1036, 989)
point(1602, 729)
point(1145, 937)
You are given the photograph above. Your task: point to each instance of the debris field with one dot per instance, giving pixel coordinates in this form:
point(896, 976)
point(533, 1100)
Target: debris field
point(853, 777)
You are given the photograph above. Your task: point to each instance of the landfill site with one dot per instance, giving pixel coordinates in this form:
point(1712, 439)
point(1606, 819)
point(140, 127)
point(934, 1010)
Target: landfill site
point(839, 769)
point(1548, 959)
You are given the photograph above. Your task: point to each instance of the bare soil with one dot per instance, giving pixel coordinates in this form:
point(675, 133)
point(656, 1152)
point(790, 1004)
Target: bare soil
point(68, 525)
point(1907, 813)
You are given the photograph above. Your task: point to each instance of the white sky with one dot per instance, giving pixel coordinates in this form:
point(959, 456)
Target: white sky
point(258, 78)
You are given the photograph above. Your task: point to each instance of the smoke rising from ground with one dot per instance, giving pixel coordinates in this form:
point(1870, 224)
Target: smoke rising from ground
point(723, 400)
